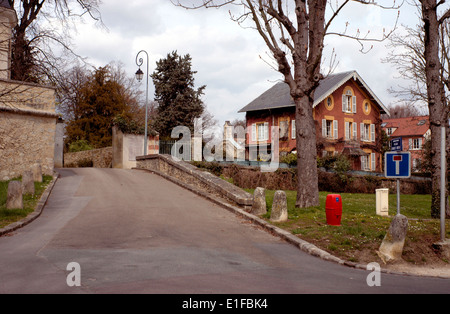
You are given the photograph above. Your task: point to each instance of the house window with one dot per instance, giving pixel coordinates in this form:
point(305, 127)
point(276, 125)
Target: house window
point(348, 102)
point(366, 107)
point(368, 163)
point(260, 131)
point(329, 103)
point(330, 129)
point(351, 131)
point(368, 132)
point(415, 143)
point(389, 131)
point(263, 131)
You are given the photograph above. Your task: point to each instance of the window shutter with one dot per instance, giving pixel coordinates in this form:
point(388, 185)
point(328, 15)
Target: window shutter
point(293, 135)
point(335, 129)
point(347, 130)
point(372, 157)
point(372, 132)
point(363, 163)
point(354, 104)
point(344, 103)
point(266, 131)
point(355, 131)
point(410, 144)
point(254, 132)
point(324, 128)
point(420, 143)
point(362, 132)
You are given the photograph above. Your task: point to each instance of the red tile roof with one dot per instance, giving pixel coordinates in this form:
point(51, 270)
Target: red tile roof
point(410, 126)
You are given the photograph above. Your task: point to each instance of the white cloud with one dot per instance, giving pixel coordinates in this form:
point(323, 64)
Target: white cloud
point(226, 56)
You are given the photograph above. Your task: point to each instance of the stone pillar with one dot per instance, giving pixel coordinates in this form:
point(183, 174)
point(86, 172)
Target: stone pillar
point(37, 172)
point(279, 207)
point(59, 144)
point(259, 202)
point(392, 246)
point(28, 183)
point(14, 198)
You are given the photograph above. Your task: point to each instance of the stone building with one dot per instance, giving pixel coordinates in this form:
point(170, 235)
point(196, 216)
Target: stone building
point(27, 113)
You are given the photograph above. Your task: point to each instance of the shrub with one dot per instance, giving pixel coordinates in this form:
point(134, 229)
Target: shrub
point(290, 159)
point(79, 146)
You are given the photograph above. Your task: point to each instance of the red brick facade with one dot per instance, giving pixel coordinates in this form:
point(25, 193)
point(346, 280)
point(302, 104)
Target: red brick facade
point(347, 121)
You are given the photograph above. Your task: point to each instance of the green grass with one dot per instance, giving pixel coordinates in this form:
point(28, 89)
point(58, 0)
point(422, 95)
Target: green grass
point(29, 202)
point(361, 231)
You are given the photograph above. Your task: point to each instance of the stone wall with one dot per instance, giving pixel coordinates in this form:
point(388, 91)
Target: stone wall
point(187, 174)
point(27, 128)
point(100, 158)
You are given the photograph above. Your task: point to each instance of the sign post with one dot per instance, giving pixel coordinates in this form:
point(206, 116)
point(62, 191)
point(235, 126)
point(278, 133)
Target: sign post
point(397, 166)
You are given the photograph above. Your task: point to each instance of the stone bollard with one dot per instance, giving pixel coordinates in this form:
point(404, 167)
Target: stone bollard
point(28, 182)
point(392, 246)
point(37, 172)
point(259, 202)
point(14, 198)
point(279, 207)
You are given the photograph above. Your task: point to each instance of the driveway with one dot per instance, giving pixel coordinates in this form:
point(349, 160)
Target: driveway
point(134, 232)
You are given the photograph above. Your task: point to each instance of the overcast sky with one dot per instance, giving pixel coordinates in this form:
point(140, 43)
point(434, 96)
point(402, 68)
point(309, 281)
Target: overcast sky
point(226, 56)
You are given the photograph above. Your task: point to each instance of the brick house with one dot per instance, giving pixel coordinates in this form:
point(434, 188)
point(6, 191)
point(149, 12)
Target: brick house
point(347, 115)
point(413, 131)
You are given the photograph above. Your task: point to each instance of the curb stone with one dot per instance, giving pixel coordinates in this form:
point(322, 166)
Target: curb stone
point(36, 213)
point(281, 233)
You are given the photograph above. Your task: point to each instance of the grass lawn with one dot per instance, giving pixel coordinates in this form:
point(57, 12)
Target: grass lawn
point(362, 231)
point(29, 202)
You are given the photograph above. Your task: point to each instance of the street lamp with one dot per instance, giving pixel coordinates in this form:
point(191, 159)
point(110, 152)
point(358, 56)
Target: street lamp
point(139, 77)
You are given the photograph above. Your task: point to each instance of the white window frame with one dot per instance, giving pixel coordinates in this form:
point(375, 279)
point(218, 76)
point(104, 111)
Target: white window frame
point(260, 131)
point(415, 144)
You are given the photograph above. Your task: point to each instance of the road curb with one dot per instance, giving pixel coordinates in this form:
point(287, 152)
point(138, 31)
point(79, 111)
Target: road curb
point(37, 211)
point(281, 233)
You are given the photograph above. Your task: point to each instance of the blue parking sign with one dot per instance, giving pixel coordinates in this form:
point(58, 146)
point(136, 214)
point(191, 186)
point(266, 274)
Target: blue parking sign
point(397, 165)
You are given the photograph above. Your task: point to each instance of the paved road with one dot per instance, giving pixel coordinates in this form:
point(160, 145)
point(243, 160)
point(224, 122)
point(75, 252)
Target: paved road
point(134, 232)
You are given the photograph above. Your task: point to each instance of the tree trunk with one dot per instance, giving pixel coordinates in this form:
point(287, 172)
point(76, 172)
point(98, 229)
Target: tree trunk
point(308, 183)
point(436, 99)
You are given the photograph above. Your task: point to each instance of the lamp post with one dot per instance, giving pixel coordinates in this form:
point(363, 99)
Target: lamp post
point(139, 77)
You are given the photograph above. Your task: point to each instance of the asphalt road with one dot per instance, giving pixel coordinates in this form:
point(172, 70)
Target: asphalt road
point(134, 232)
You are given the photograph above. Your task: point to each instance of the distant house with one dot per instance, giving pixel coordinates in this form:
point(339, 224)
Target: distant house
point(347, 115)
point(413, 131)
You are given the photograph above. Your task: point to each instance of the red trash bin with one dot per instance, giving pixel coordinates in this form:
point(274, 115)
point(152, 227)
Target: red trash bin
point(333, 209)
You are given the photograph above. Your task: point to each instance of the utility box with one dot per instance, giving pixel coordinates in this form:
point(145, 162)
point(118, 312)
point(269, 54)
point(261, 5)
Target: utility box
point(333, 209)
point(382, 200)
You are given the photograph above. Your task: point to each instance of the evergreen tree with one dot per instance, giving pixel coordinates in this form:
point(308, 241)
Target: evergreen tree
point(100, 100)
point(178, 101)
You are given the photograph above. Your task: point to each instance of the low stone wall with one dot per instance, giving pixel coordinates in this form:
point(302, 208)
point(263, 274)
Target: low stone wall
point(187, 174)
point(98, 158)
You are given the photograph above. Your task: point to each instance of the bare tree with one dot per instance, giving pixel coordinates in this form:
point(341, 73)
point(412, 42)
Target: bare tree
point(436, 83)
point(32, 60)
point(294, 32)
